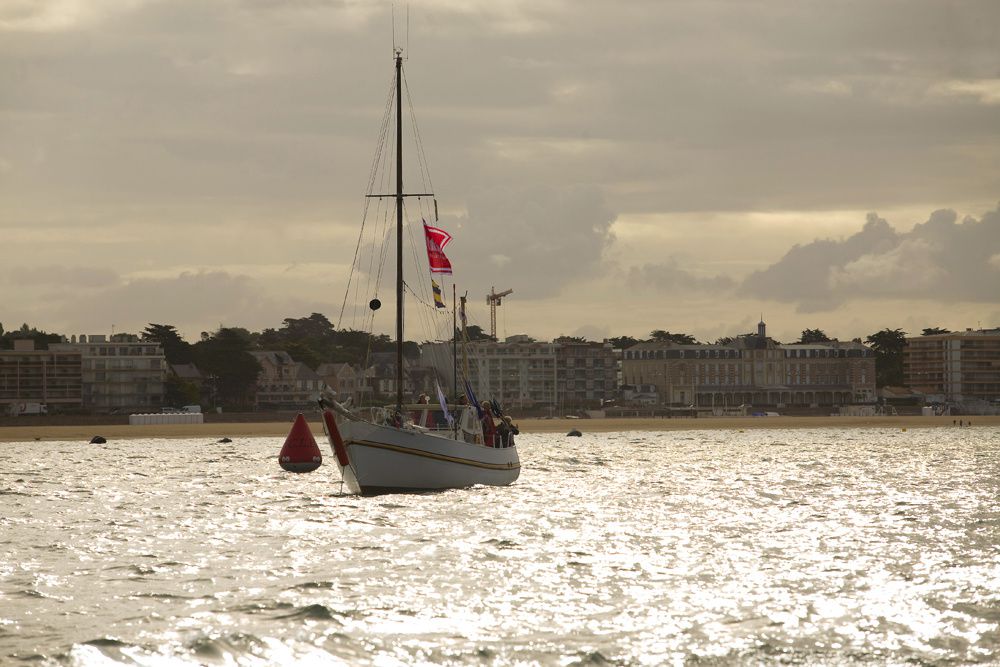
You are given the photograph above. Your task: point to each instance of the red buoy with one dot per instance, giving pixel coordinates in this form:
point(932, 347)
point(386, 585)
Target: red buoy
point(300, 452)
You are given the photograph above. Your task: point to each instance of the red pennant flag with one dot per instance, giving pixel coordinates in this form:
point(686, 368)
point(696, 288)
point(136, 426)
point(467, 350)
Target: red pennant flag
point(437, 239)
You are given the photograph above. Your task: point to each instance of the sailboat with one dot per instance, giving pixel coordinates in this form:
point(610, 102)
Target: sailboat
point(401, 448)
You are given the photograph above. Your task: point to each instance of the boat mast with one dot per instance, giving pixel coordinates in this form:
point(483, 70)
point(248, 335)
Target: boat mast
point(399, 231)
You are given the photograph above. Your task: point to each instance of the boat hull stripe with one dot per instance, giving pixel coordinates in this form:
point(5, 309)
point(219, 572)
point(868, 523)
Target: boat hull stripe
point(431, 455)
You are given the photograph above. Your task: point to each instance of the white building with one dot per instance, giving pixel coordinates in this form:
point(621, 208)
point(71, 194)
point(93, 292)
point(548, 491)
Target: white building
point(119, 374)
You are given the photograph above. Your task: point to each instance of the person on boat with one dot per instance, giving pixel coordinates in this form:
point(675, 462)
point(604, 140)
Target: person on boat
point(489, 427)
point(506, 430)
point(417, 415)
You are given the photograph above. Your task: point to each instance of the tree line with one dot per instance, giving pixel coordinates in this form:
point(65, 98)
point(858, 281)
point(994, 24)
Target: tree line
point(224, 357)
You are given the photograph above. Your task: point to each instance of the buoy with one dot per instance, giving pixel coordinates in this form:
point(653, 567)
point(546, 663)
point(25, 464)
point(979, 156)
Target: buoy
point(300, 452)
point(98, 440)
point(575, 433)
point(225, 440)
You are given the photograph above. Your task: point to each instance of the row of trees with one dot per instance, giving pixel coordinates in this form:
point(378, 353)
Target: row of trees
point(224, 355)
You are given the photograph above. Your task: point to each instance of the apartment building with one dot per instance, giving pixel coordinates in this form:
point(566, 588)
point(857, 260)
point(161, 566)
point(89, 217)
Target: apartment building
point(42, 377)
point(519, 372)
point(754, 370)
point(524, 373)
point(586, 374)
point(961, 367)
point(120, 373)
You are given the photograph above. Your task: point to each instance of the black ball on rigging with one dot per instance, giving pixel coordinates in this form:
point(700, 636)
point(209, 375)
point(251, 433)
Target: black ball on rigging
point(374, 304)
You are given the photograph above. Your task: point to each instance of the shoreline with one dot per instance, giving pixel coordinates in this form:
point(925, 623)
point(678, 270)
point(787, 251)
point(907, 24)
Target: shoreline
point(279, 429)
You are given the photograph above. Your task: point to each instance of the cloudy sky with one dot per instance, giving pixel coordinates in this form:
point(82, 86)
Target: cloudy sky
point(622, 166)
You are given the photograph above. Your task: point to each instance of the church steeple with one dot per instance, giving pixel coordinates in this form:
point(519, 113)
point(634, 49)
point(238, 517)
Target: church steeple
point(761, 327)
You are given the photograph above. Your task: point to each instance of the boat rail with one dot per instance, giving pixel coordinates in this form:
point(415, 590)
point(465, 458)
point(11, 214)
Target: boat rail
point(430, 418)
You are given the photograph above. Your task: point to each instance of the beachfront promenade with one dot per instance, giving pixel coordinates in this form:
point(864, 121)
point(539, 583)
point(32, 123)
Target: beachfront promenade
point(43, 430)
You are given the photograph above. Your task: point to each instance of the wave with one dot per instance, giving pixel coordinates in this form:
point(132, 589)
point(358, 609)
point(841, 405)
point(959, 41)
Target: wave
point(312, 612)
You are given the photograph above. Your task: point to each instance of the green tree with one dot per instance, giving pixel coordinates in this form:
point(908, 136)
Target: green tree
point(179, 392)
point(570, 339)
point(622, 342)
point(661, 336)
point(411, 349)
point(302, 351)
point(311, 340)
point(175, 349)
point(225, 357)
point(41, 338)
point(725, 340)
point(814, 336)
point(888, 345)
point(934, 331)
point(475, 332)
point(351, 346)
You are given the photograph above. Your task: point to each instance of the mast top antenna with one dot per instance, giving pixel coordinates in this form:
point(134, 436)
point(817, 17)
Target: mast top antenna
point(396, 48)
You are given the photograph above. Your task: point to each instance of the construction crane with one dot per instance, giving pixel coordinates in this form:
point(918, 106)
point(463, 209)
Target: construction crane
point(493, 299)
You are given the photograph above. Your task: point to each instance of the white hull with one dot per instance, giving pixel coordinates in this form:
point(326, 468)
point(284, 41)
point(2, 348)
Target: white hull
point(383, 459)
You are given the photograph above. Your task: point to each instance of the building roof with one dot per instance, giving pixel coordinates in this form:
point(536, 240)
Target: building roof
point(303, 372)
point(275, 357)
point(334, 369)
point(959, 334)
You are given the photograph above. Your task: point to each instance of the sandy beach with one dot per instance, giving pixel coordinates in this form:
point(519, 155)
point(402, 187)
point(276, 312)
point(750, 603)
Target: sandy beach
point(217, 430)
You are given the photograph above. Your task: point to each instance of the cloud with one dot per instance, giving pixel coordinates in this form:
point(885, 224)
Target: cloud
point(940, 259)
point(147, 135)
point(986, 91)
point(191, 301)
point(669, 277)
point(905, 269)
point(55, 15)
point(70, 277)
point(532, 239)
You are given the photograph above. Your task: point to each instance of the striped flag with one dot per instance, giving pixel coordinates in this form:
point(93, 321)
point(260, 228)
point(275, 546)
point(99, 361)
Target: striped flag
point(438, 299)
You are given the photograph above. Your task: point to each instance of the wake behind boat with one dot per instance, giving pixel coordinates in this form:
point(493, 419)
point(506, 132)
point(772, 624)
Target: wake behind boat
point(419, 447)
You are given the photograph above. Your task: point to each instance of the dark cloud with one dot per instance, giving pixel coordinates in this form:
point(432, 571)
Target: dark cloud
point(940, 259)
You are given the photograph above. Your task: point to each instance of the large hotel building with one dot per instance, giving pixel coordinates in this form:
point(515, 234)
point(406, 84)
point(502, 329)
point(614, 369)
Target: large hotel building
point(753, 370)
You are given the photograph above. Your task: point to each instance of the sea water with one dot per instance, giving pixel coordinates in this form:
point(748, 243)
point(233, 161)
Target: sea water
point(824, 546)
